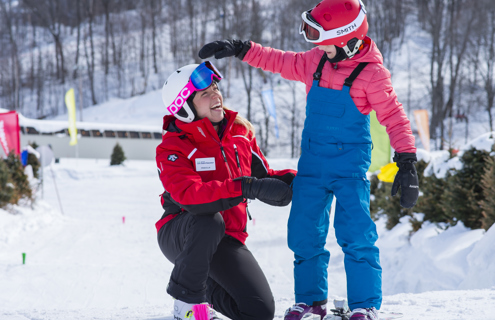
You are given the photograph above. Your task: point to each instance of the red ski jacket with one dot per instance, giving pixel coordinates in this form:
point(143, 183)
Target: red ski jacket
point(197, 170)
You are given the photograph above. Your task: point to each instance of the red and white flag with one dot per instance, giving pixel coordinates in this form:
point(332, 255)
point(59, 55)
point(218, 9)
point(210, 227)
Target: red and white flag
point(9, 132)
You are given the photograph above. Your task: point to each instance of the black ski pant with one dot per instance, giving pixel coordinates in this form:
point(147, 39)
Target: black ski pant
point(215, 268)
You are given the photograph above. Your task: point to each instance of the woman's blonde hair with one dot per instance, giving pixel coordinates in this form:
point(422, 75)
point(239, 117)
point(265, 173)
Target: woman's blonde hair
point(243, 122)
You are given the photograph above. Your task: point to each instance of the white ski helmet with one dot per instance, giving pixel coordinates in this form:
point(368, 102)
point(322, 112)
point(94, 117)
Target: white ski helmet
point(178, 90)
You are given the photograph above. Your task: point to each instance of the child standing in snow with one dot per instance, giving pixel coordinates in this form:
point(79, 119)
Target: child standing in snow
point(209, 163)
point(345, 79)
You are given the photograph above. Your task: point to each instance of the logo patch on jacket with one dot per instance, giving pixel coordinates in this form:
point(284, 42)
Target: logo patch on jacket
point(172, 157)
point(205, 164)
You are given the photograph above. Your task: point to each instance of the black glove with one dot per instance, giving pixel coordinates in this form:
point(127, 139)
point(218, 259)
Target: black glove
point(271, 191)
point(225, 48)
point(407, 179)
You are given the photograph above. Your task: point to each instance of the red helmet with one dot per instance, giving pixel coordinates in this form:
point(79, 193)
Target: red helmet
point(336, 22)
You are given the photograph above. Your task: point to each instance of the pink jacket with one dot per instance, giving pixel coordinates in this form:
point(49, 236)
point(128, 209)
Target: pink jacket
point(372, 90)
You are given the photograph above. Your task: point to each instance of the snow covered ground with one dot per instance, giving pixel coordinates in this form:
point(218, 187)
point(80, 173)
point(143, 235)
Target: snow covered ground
point(84, 262)
point(87, 263)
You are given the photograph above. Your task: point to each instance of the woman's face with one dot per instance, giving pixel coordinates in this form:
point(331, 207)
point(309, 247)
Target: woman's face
point(330, 50)
point(209, 103)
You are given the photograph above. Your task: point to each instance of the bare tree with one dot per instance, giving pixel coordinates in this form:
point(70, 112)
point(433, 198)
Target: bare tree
point(450, 26)
point(106, 4)
point(142, 40)
point(155, 7)
point(50, 14)
point(387, 22)
point(121, 43)
point(76, 72)
point(90, 56)
point(484, 56)
point(8, 17)
point(462, 16)
point(248, 25)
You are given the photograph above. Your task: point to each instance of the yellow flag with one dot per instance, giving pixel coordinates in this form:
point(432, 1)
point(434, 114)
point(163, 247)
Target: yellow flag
point(70, 102)
point(380, 155)
point(388, 172)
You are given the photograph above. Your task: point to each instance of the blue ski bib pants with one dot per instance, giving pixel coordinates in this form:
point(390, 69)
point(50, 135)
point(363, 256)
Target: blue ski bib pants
point(336, 154)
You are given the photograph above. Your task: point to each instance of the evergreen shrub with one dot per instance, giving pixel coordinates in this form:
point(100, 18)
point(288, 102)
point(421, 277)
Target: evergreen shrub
point(463, 191)
point(429, 204)
point(466, 195)
point(6, 186)
point(118, 156)
point(22, 189)
point(488, 187)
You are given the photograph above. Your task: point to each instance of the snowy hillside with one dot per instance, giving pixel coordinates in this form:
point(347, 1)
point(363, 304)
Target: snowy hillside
point(88, 263)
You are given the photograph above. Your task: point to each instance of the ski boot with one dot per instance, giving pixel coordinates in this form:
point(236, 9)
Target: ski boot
point(301, 311)
point(342, 312)
point(364, 314)
point(191, 311)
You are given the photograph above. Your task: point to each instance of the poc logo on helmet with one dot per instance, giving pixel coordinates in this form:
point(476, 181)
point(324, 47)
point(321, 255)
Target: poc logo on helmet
point(179, 101)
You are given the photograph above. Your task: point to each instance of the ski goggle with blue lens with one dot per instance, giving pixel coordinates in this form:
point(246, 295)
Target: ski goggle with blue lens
point(204, 74)
point(201, 78)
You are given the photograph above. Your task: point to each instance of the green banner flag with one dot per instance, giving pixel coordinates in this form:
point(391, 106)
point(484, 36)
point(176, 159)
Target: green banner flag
point(380, 155)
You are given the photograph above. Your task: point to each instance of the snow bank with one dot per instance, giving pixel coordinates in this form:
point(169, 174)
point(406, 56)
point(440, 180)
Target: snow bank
point(435, 258)
point(483, 142)
point(439, 162)
point(481, 263)
point(21, 221)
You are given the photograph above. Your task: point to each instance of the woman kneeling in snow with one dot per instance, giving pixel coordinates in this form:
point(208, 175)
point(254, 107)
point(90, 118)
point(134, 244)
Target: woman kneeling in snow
point(209, 164)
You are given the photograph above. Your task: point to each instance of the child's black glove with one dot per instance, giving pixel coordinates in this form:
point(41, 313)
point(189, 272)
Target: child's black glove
point(271, 191)
point(407, 179)
point(225, 48)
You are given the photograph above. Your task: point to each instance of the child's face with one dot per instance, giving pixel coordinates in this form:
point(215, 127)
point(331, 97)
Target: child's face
point(209, 103)
point(330, 50)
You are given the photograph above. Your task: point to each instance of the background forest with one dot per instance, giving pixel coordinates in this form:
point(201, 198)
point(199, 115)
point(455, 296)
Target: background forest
point(440, 52)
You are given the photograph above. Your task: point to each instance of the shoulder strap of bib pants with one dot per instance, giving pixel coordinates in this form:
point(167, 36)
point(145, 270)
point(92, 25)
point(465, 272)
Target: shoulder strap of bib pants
point(349, 80)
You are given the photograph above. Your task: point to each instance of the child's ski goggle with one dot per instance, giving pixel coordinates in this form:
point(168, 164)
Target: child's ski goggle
point(314, 33)
point(201, 78)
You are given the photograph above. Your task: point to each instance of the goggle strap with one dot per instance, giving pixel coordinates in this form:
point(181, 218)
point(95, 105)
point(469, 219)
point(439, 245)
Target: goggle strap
point(181, 98)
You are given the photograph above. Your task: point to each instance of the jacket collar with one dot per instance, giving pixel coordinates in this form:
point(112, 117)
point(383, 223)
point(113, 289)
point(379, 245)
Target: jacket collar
point(199, 130)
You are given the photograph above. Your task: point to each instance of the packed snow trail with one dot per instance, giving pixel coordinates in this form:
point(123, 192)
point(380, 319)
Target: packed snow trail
point(89, 264)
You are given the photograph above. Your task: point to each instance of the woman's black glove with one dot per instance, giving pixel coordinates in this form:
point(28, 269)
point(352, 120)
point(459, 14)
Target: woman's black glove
point(225, 48)
point(407, 179)
point(271, 191)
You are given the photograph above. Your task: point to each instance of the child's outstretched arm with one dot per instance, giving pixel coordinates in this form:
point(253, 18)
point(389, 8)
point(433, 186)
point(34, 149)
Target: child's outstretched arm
point(291, 65)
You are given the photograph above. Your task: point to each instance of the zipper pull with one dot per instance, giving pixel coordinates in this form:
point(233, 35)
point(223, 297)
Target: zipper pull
point(223, 153)
point(249, 215)
point(237, 159)
point(247, 201)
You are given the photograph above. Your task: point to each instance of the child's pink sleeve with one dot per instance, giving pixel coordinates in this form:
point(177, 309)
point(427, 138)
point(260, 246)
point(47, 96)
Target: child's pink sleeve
point(291, 65)
point(390, 113)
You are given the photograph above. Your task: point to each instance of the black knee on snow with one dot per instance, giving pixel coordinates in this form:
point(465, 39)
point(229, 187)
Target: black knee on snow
point(250, 308)
point(259, 310)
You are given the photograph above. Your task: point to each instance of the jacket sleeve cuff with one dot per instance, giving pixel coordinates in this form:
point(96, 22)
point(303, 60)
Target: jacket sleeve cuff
point(236, 187)
point(245, 48)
